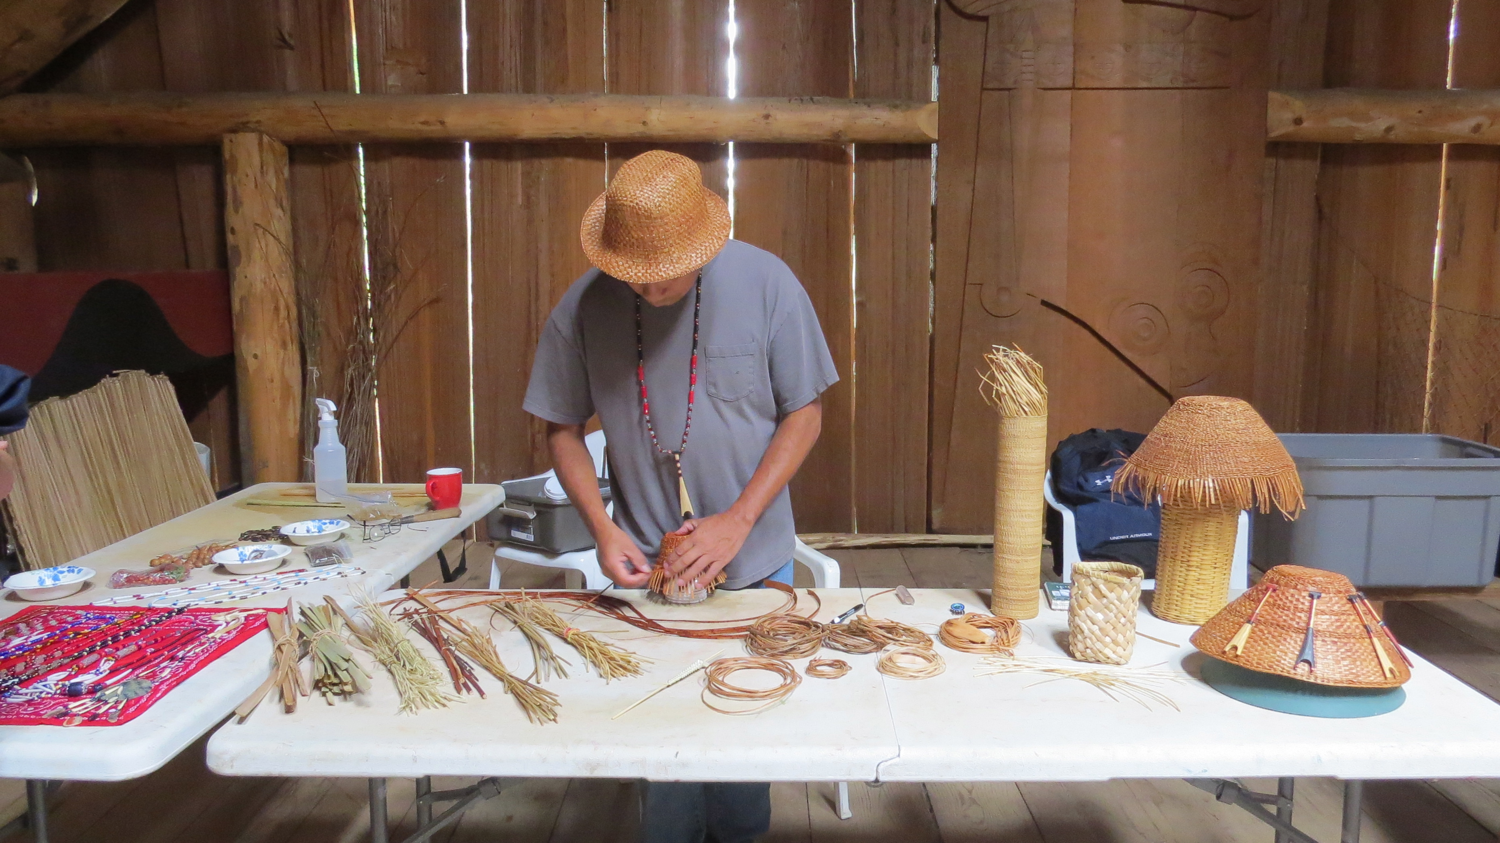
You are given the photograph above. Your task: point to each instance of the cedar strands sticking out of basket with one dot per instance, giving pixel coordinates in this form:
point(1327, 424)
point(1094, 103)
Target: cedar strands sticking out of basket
point(1013, 385)
point(417, 680)
point(539, 704)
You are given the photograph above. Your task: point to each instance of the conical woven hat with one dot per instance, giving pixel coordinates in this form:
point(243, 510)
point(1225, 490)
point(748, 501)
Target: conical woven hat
point(656, 221)
point(1345, 651)
point(1213, 451)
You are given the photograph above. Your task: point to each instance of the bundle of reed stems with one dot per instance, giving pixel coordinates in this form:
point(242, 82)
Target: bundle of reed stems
point(335, 673)
point(544, 660)
point(1014, 387)
point(417, 680)
point(100, 466)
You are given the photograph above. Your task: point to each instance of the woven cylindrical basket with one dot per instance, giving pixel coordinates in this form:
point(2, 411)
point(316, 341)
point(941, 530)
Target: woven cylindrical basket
point(1020, 471)
point(1194, 562)
point(1278, 627)
point(1101, 611)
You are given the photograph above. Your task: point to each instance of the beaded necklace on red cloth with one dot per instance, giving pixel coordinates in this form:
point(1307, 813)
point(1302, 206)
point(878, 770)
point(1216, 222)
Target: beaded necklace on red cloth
point(640, 374)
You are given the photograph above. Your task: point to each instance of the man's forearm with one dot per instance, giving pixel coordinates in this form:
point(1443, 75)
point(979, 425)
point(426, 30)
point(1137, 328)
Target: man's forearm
point(794, 438)
point(575, 468)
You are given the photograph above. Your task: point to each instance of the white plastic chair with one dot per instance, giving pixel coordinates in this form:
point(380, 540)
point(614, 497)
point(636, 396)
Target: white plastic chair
point(1239, 572)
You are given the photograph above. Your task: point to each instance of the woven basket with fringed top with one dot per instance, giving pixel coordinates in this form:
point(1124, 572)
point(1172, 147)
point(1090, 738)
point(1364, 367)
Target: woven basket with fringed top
point(1277, 627)
point(665, 586)
point(1101, 611)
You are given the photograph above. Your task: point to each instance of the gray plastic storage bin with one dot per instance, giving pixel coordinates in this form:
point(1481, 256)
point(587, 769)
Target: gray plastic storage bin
point(1393, 509)
point(528, 518)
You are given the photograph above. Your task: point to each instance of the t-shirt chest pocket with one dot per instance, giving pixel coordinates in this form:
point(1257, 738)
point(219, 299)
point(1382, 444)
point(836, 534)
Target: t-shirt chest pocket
point(732, 370)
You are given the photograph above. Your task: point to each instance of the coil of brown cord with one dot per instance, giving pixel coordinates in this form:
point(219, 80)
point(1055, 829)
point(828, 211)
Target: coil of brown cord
point(864, 634)
point(840, 637)
point(785, 637)
point(910, 662)
point(967, 634)
point(827, 668)
point(718, 683)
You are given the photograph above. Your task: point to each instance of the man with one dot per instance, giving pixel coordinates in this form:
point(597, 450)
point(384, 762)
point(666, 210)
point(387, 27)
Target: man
point(703, 359)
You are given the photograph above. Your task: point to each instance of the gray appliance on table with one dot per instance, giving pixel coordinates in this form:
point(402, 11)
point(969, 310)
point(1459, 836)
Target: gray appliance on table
point(1398, 509)
point(531, 519)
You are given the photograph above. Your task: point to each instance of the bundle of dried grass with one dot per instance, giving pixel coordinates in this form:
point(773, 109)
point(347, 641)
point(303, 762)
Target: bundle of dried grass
point(417, 680)
point(539, 704)
point(610, 660)
point(100, 466)
point(335, 672)
point(544, 660)
point(1014, 387)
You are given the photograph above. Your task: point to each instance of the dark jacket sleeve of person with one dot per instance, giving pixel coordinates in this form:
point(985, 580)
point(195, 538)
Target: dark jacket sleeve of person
point(14, 388)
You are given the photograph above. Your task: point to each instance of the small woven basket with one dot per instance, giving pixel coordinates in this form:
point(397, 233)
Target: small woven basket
point(1194, 562)
point(1101, 611)
point(666, 587)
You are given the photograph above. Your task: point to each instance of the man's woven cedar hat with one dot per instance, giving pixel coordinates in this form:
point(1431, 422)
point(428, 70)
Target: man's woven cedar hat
point(656, 221)
point(1279, 627)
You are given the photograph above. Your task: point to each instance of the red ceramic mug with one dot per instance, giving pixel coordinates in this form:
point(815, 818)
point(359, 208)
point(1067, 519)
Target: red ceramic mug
point(445, 486)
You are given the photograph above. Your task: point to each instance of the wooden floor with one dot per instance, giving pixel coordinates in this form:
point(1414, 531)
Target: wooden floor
point(185, 802)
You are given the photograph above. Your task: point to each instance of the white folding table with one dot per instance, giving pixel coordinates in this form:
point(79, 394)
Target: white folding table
point(130, 750)
point(960, 726)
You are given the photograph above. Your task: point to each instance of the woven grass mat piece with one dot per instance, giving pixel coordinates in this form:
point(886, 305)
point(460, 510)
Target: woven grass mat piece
point(102, 465)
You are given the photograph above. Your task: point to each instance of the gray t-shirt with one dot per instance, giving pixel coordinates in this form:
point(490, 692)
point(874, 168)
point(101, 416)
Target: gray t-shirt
point(761, 355)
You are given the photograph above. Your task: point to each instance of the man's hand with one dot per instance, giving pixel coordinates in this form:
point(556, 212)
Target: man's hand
point(712, 543)
point(621, 560)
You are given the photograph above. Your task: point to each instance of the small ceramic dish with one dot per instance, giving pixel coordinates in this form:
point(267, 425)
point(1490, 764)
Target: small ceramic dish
point(317, 531)
point(49, 583)
point(253, 558)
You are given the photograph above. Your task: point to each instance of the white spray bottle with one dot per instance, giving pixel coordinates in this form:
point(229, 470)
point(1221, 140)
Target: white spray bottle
point(330, 465)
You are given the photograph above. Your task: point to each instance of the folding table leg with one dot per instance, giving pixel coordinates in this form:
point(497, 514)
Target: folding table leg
point(1286, 792)
point(36, 809)
point(844, 812)
point(424, 809)
point(380, 831)
point(1354, 797)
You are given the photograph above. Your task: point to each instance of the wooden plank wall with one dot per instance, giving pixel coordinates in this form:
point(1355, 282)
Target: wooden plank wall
point(1465, 395)
point(161, 208)
point(1099, 199)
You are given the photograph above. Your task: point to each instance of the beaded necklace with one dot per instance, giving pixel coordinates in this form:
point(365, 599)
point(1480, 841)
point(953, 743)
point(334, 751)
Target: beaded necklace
point(685, 502)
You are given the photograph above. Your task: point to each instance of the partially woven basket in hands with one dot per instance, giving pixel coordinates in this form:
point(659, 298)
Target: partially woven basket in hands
point(1102, 610)
point(665, 586)
point(1267, 630)
point(1207, 459)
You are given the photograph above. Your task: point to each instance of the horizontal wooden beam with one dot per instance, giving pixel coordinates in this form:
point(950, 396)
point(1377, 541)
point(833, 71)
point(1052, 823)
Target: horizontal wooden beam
point(164, 118)
point(1352, 115)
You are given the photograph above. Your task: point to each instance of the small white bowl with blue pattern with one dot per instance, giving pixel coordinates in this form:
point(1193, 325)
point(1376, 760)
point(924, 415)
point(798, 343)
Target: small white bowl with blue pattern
point(253, 558)
point(316, 531)
point(49, 583)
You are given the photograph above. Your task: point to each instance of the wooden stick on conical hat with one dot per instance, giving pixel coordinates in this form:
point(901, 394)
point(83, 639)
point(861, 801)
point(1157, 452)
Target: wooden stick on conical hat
point(1211, 451)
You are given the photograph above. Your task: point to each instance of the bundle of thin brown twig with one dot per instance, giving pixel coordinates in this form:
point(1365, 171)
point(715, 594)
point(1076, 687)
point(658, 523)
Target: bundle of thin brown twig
point(966, 634)
point(288, 655)
point(539, 704)
point(903, 662)
point(544, 660)
point(1013, 385)
point(785, 637)
point(465, 680)
point(827, 668)
point(610, 660)
point(1115, 682)
point(417, 680)
point(717, 683)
